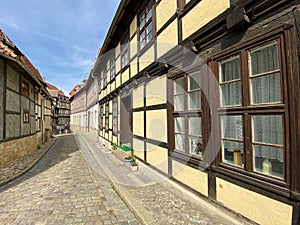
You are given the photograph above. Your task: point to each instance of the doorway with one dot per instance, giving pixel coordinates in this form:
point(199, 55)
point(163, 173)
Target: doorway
point(126, 120)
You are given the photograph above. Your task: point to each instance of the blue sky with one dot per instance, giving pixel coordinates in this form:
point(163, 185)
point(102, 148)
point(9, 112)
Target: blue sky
point(60, 37)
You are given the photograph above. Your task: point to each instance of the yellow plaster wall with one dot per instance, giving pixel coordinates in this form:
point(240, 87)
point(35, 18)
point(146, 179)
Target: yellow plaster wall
point(113, 86)
point(156, 91)
point(118, 81)
point(114, 139)
point(194, 178)
point(133, 26)
point(133, 46)
point(118, 64)
point(133, 67)
point(138, 97)
point(106, 135)
point(156, 125)
point(138, 147)
point(110, 136)
point(118, 49)
point(138, 123)
point(157, 157)
point(254, 206)
point(125, 76)
point(147, 58)
point(164, 11)
point(201, 14)
point(167, 39)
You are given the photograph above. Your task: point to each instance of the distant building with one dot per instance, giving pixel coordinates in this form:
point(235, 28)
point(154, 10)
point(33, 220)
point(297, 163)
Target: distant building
point(78, 105)
point(25, 109)
point(61, 108)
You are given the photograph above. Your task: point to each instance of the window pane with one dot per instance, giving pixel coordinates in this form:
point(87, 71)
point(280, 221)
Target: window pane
point(196, 145)
point(149, 13)
point(179, 142)
point(179, 103)
point(142, 20)
point(264, 59)
point(149, 32)
point(266, 89)
point(233, 153)
point(269, 160)
point(179, 125)
point(195, 127)
point(179, 86)
point(194, 100)
point(194, 82)
point(231, 94)
point(232, 127)
point(230, 69)
point(268, 129)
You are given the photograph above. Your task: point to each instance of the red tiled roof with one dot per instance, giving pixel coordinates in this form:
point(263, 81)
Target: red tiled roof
point(51, 86)
point(7, 47)
point(61, 93)
point(28, 65)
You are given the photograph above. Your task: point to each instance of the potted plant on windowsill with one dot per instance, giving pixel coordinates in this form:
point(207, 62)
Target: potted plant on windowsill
point(128, 160)
point(134, 165)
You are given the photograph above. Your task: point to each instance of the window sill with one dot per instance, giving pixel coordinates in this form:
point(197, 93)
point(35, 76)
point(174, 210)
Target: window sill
point(146, 47)
point(252, 107)
point(189, 160)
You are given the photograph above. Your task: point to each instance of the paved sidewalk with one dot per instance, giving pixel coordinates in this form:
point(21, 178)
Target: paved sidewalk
point(153, 198)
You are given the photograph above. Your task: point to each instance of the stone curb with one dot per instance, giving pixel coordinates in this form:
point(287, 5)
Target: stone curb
point(30, 166)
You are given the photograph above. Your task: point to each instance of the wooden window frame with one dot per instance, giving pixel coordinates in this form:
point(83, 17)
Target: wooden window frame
point(112, 68)
point(186, 114)
point(24, 88)
point(115, 116)
point(143, 28)
point(106, 116)
point(101, 113)
point(125, 56)
point(247, 110)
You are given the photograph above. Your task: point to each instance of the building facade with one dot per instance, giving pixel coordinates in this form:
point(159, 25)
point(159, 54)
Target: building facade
point(207, 92)
point(61, 108)
point(78, 104)
point(25, 111)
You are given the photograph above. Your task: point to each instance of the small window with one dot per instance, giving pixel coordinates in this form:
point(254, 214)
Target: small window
point(268, 144)
point(112, 69)
point(24, 88)
point(195, 136)
point(232, 140)
point(115, 116)
point(230, 78)
point(265, 74)
point(146, 25)
point(188, 114)
point(125, 51)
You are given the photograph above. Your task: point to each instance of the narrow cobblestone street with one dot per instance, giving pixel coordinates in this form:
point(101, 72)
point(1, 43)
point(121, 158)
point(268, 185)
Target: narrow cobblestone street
point(61, 189)
point(79, 181)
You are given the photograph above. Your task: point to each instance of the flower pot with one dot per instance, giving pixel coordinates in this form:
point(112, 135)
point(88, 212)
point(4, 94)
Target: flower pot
point(127, 162)
point(134, 168)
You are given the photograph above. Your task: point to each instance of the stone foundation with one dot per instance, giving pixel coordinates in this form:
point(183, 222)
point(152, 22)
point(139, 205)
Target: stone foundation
point(12, 151)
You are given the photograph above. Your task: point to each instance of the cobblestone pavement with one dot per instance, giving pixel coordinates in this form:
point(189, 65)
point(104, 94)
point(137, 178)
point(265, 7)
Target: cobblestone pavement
point(152, 197)
point(62, 189)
